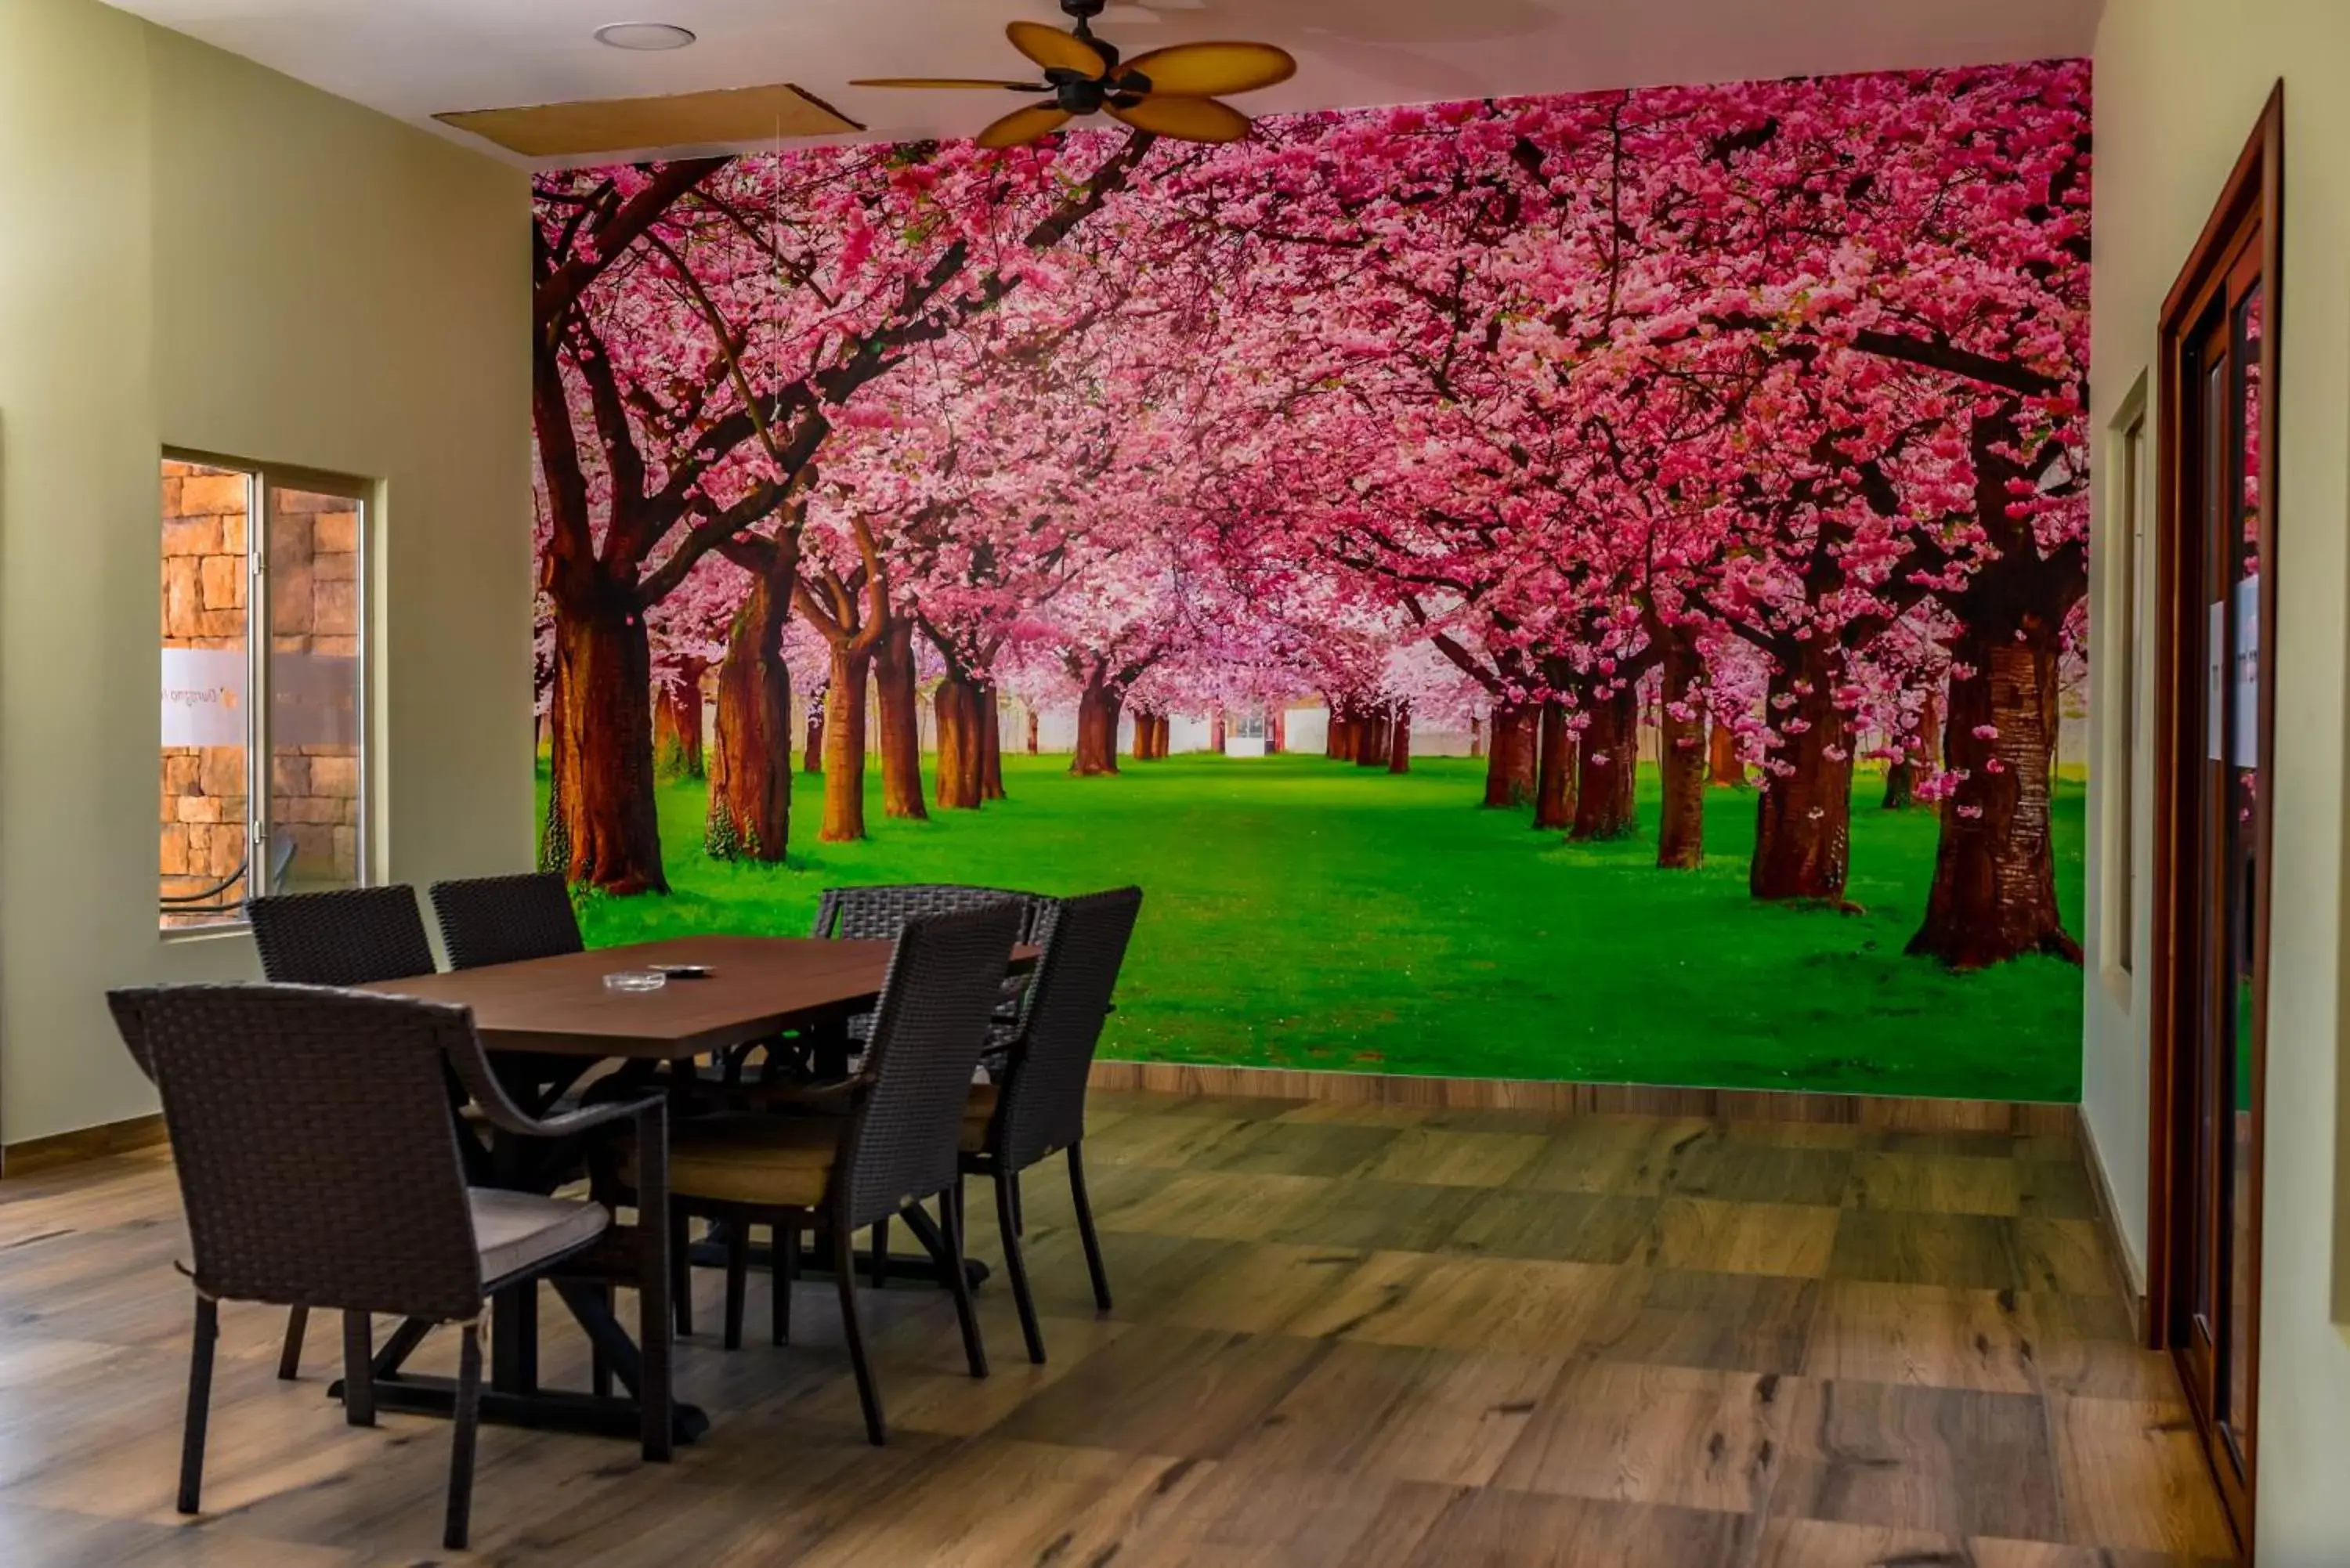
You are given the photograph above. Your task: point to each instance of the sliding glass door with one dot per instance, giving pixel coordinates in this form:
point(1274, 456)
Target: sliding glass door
point(2216, 677)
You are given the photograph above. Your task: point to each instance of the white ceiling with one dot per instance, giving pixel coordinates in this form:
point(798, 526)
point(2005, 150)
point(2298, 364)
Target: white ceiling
point(414, 57)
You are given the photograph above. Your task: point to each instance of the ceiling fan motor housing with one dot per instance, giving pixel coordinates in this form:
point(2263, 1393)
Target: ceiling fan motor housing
point(1076, 93)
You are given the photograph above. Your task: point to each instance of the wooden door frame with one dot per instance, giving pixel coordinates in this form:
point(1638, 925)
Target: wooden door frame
point(2253, 195)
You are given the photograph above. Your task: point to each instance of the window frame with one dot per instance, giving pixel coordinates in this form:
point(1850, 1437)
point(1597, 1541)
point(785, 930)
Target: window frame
point(263, 482)
point(2126, 603)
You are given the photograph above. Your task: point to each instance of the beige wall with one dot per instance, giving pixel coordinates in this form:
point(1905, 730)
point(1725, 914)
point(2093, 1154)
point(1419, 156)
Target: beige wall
point(203, 255)
point(2180, 84)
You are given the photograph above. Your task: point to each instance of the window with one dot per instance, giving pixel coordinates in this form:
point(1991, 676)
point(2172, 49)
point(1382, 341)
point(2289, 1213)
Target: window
point(2137, 490)
point(264, 709)
point(2130, 484)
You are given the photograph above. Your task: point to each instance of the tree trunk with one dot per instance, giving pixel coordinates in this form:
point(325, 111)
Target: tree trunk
point(812, 751)
point(1098, 715)
point(1510, 759)
point(603, 757)
point(1033, 727)
point(1920, 752)
point(844, 748)
point(1376, 739)
point(1346, 735)
point(751, 778)
point(902, 723)
point(1608, 767)
point(1994, 893)
point(1140, 744)
point(1216, 732)
point(1400, 740)
point(1554, 770)
point(1802, 830)
point(677, 724)
point(1476, 737)
point(554, 840)
point(1682, 760)
point(960, 760)
point(1900, 783)
point(1724, 770)
point(990, 740)
point(1276, 732)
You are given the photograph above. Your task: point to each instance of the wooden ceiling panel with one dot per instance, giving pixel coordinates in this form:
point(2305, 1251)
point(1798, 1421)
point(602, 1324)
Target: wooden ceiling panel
point(627, 124)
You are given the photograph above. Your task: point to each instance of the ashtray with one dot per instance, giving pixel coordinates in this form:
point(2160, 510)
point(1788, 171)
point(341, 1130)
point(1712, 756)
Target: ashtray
point(636, 979)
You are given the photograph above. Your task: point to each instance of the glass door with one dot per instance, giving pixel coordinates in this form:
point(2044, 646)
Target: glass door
point(2215, 677)
point(2223, 879)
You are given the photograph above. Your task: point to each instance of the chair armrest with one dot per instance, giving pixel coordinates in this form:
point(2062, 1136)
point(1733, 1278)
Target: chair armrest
point(503, 1115)
point(462, 1048)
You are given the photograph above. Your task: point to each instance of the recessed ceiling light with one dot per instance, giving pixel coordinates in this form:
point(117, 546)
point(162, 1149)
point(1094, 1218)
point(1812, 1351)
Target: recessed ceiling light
point(644, 37)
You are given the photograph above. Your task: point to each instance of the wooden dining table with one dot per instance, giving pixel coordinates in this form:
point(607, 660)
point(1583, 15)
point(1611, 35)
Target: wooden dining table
point(755, 989)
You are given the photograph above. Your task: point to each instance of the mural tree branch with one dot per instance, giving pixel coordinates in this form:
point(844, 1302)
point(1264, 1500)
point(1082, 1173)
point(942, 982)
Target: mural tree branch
point(625, 525)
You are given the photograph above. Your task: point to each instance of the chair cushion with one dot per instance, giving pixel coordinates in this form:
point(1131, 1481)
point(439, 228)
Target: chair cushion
point(514, 1230)
point(978, 1115)
point(782, 1161)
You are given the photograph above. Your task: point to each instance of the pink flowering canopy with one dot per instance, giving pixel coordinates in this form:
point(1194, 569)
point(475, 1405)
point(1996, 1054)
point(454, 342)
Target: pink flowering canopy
point(1457, 405)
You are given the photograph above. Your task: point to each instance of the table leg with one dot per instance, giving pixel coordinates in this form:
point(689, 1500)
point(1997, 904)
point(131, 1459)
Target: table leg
point(941, 1258)
point(531, 1406)
point(552, 1410)
point(591, 1305)
point(514, 1397)
point(514, 1339)
point(400, 1346)
point(829, 1050)
point(815, 1261)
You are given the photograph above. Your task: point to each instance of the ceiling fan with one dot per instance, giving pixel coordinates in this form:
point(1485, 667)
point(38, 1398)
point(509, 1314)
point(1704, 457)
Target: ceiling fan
point(1171, 92)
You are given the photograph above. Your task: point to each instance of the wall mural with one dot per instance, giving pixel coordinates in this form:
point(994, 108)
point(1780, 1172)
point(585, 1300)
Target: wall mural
point(1576, 587)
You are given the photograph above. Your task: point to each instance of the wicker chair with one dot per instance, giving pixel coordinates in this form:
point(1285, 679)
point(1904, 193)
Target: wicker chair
point(505, 919)
point(879, 913)
point(509, 919)
point(797, 1079)
point(1039, 1110)
point(318, 1167)
point(348, 937)
point(896, 1146)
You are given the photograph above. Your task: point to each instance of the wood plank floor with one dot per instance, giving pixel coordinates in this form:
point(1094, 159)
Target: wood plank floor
point(1363, 1335)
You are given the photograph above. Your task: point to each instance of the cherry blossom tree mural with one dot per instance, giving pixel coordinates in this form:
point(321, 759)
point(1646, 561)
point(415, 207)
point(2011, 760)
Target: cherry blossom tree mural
point(1661, 454)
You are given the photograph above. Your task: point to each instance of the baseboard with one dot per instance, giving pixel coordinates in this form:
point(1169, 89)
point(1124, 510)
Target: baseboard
point(2130, 1278)
point(1891, 1112)
point(40, 1154)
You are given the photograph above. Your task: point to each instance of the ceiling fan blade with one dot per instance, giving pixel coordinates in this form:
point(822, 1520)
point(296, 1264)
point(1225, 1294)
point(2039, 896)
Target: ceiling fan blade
point(1211, 70)
point(947, 82)
point(1023, 126)
point(1055, 50)
point(1185, 119)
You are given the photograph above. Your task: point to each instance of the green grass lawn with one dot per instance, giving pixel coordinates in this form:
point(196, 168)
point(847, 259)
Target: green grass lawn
point(1302, 913)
